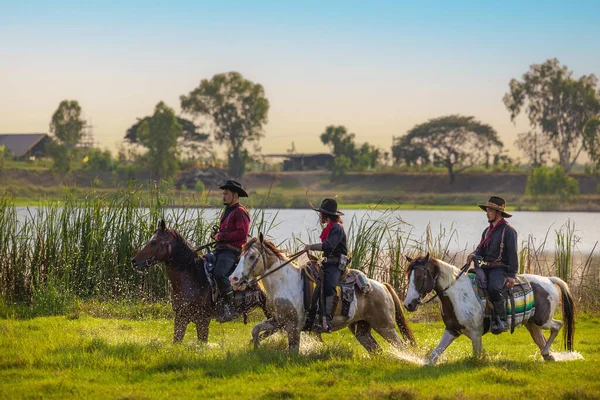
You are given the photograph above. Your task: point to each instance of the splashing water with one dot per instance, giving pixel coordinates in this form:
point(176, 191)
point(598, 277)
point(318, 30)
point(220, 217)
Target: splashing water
point(407, 356)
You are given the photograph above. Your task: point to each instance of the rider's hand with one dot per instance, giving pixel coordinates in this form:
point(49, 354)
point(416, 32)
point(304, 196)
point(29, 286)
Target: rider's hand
point(470, 258)
point(214, 235)
point(510, 282)
point(307, 247)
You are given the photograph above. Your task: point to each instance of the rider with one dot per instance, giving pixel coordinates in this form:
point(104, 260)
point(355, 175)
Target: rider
point(231, 236)
point(498, 249)
point(333, 246)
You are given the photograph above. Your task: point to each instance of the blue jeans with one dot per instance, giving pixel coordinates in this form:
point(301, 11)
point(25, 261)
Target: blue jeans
point(224, 267)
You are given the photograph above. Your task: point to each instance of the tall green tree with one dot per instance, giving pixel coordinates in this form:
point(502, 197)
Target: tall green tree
point(342, 143)
point(556, 104)
point(191, 143)
point(404, 151)
point(67, 126)
point(159, 135)
point(236, 109)
point(455, 142)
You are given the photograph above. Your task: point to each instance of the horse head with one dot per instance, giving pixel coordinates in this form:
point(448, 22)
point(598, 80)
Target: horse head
point(157, 249)
point(258, 255)
point(423, 273)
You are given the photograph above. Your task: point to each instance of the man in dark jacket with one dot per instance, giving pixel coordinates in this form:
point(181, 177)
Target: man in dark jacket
point(498, 249)
point(232, 235)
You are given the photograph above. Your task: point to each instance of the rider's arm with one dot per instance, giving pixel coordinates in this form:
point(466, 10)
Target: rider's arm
point(241, 225)
point(511, 252)
point(314, 247)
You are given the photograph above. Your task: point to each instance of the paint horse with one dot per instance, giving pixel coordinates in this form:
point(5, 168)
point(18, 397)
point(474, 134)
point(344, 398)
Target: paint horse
point(380, 310)
point(191, 291)
point(463, 311)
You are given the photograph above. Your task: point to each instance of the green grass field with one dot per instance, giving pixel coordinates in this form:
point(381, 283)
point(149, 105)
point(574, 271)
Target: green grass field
point(85, 357)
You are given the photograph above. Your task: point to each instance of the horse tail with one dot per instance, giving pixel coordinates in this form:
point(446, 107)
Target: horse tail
point(400, 318)
point(568, 312)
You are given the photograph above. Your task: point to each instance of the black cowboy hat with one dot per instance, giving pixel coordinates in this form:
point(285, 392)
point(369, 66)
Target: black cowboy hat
point(496, 203)
point(329, 207)
point(235, 187)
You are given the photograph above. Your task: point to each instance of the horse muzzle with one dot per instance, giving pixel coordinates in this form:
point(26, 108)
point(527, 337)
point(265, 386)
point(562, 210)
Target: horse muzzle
point(412, 305)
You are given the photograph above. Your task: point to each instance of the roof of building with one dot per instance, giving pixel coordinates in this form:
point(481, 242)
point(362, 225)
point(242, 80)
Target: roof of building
point(20, 143)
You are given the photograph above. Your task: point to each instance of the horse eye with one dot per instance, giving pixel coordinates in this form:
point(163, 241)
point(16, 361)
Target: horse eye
point(252, 257)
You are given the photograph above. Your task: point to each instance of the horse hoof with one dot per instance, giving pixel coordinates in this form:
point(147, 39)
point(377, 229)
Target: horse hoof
point(549, 357)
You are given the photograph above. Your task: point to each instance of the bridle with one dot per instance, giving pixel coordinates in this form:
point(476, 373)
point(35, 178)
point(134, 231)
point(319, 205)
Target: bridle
point(244, 277)
point(435, 279)
point(152, 260)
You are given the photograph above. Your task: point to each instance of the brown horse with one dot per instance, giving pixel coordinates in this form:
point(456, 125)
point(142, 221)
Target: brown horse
point(191, 293)
point(379, 310)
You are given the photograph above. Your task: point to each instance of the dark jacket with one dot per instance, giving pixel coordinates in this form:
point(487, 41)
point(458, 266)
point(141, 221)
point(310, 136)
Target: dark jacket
point(335, 244)
point(492, 250)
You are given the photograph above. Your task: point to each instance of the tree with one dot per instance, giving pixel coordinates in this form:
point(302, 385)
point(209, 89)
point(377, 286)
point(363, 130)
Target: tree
point(342, 143)
point(591, 141)
point(411, 154)
point(190, 143)
point(67, 126)
point(455, 142)
point(556, 104)
point(159, 135)
point(236, 108)
point(535, 146)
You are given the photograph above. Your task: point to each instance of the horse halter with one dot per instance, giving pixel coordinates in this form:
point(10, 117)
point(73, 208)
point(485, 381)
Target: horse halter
point(164, 243)
point(434, 279)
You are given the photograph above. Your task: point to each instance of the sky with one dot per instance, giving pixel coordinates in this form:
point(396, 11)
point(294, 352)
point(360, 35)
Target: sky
point(376, 67)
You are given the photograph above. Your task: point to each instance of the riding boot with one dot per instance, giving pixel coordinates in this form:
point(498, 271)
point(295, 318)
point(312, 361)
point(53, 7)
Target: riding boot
point(499, 323)
point(229, 311)
point(329, 301)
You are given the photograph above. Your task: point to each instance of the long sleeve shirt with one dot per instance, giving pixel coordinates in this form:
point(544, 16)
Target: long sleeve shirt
point(491, 252)
point(235, 224)
point(335, 243)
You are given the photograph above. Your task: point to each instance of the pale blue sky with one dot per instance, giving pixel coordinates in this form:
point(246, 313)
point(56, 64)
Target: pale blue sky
point(377, 67)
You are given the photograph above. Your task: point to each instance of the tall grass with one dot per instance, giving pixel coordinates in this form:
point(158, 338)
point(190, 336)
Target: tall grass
point(81, 246)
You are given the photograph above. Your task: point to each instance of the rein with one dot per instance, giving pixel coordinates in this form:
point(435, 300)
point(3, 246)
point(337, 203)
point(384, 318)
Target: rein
point(292, 258)
point(462, 271)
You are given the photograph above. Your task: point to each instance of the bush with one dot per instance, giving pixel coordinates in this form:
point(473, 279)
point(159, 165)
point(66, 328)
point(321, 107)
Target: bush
point(543, 181)
point(341, 166)
point(199, 186)
point(97, 160)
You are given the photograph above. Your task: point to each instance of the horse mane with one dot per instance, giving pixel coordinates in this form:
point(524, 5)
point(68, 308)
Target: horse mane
point(183, 253)
point(447, 272)
point(267, 245)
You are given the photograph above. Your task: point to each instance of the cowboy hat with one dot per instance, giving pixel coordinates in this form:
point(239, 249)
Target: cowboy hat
point(496, 203)
point(235, 187)
point(329, 207)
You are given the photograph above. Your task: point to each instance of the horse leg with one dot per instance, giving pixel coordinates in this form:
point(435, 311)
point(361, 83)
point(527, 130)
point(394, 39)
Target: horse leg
point(181, 323)
point(362, 332)
point(537, 336)
point(555, 327)
point(477, 344)
point(293, 338)
point(262, 331)
point(447, 338)
point(202, 324)
point(390, 334)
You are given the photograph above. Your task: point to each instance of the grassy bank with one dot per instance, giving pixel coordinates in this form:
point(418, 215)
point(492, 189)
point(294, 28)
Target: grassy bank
point(86, 357)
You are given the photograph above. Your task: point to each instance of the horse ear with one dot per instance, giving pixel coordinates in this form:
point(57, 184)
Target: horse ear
point(261, 237)
point(427, 257)
point(162, 226)
point(408, 258)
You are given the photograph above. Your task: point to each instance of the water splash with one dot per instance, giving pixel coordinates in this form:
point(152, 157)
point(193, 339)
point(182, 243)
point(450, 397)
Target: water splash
point(407, 356)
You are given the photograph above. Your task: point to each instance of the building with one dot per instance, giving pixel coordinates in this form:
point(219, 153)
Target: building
point(304, 162)
point(24, 146)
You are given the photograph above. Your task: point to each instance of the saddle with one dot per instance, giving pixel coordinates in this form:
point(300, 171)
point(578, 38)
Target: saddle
point(350, 280)
point(520, 304)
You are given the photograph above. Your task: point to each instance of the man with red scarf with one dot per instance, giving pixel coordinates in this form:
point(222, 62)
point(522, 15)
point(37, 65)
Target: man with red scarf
point(334, 248)
point(231, 237)
point(498, 249)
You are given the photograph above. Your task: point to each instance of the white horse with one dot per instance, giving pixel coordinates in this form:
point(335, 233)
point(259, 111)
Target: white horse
point(380, 310)
point(463, 312)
